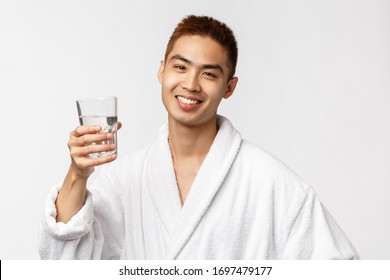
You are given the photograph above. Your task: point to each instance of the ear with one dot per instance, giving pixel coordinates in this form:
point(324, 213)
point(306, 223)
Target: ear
point(161, 71)
point(230, 87)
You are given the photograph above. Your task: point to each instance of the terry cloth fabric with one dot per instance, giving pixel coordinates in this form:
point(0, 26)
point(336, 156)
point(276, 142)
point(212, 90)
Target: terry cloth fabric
point(243, 204)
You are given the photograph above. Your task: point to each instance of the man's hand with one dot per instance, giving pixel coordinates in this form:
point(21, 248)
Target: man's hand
point(73, 192)
point(80, 146)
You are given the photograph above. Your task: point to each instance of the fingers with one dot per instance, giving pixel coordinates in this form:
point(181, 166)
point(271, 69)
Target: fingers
point(85, 129)
point(103, 160)
point(84, 163)
point(86, 140)
point(92, 149)
point(84, 135)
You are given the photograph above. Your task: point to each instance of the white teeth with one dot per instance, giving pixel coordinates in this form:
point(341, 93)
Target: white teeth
point(187, 101)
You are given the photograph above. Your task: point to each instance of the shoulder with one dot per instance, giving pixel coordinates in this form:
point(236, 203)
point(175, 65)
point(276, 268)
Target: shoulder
point(265, 167)
point(257, 157)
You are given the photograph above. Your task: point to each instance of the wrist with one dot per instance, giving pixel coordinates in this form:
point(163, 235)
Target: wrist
point(76, 177)
point(80, 174)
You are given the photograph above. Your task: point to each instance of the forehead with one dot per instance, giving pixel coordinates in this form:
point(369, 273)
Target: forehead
point(200, 50)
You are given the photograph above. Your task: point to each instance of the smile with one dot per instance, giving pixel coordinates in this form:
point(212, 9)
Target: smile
point(187, 100)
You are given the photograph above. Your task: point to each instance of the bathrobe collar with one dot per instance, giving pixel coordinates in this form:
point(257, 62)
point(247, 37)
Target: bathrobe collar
point(181, 221)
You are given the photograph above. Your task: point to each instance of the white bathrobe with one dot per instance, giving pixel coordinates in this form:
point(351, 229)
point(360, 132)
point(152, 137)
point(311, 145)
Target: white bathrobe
point(243, 204)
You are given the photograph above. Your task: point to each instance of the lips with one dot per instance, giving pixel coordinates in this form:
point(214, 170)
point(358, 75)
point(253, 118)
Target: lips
point(188, 103)
point(188, 100)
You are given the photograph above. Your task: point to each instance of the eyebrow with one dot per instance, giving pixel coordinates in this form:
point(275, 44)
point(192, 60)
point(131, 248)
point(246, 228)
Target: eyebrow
point(202, 66)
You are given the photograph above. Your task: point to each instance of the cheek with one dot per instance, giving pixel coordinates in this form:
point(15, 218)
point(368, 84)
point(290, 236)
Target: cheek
point(216, 92)
point(165, 87)
point(168, 87)
point(169, 80)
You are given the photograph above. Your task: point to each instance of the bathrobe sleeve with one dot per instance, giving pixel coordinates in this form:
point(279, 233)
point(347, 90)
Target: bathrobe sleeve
point(316, 235)
point(95, 232)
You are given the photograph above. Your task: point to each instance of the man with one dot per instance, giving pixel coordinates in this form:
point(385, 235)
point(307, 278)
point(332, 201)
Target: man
point(199, 191)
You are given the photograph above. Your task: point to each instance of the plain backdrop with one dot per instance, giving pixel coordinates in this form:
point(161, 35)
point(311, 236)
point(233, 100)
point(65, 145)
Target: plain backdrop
point(314, 90)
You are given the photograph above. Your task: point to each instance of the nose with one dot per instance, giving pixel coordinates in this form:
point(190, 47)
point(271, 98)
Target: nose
point(191, 82)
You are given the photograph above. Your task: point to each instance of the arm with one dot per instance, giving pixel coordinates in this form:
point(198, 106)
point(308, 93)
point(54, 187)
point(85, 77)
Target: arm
point(316, 235)
point(96, 231)
point(70, 229)
point(73, 192)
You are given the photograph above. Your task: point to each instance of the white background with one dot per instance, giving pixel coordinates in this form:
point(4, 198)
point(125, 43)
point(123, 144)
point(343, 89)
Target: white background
point(314, 90)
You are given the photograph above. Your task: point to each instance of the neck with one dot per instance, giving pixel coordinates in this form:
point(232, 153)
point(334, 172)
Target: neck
point(191, 141)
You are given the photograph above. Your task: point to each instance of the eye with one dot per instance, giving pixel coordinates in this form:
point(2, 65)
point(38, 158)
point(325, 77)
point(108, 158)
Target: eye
point(180, 67)
point(209, 74)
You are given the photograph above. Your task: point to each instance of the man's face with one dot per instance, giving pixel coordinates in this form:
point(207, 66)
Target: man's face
point(194, 80)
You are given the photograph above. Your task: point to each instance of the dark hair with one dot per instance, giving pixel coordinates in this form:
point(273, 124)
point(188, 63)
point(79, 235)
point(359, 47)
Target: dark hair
point(207, 27)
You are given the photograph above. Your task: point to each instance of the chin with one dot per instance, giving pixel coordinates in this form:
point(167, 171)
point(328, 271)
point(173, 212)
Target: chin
point(192, 120)
point(184, 120)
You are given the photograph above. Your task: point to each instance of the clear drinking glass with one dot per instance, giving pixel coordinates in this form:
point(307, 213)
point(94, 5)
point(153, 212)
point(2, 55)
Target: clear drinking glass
point(101, 111)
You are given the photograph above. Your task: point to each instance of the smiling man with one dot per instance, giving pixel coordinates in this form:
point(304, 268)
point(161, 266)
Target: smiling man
point(194, 78)
point(199, 191)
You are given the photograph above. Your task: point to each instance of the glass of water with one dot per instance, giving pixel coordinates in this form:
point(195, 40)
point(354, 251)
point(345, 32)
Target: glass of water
point(101, 111)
